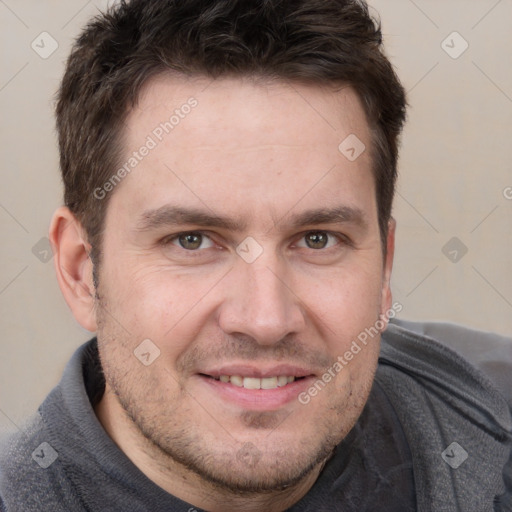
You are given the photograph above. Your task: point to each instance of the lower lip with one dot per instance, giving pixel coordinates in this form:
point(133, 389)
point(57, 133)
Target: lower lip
point(258, 399)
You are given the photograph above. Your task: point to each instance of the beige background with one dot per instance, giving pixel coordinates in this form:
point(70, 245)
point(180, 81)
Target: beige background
point(456, 177)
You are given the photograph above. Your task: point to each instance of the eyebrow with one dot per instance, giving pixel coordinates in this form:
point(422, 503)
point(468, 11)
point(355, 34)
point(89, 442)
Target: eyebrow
point(169, 215)
point(337, 215)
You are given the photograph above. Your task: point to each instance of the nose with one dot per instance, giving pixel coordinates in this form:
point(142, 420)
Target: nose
point(260, 302)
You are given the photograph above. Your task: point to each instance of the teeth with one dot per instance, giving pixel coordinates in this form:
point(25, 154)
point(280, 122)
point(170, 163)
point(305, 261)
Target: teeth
point(282, 380)
point(256, 383)
point(269, 383)
point(236, 380)
point(252, 383)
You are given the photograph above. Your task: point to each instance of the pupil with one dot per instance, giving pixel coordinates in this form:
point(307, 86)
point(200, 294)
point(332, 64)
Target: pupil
point(190, 241)
point(316, 240)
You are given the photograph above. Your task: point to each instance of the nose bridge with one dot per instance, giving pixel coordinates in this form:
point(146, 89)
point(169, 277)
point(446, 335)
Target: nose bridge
point(261, 304)
point(267, 288)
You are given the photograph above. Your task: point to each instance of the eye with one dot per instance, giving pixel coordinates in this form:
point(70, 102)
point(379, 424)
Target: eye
point(192, 241)
point(318, 240)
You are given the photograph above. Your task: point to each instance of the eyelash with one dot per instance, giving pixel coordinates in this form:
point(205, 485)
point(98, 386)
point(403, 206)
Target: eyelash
point(343, 240)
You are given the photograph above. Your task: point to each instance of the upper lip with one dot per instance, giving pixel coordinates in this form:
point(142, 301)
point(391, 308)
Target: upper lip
point(261, 372)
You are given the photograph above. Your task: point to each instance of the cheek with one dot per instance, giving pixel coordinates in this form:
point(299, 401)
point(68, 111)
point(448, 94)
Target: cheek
point(347, 297)
point(157, 304)
point(346, 313)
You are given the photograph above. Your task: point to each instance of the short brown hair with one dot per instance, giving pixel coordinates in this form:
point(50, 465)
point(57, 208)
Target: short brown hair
point(309, 41)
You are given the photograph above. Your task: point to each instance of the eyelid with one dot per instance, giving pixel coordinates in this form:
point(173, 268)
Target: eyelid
point(171, 238)
point(342, 239)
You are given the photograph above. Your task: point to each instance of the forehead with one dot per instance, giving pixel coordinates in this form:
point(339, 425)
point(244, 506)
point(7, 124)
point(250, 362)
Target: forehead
point(260, 108)
point(243, 144)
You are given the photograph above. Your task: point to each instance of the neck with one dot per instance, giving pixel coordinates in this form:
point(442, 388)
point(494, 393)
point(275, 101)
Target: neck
point(180, 481)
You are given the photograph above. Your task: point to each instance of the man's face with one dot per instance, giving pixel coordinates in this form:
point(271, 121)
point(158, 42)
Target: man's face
point(245, 245)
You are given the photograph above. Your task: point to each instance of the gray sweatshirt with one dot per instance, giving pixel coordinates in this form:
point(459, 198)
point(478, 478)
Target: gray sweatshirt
point(435, 436)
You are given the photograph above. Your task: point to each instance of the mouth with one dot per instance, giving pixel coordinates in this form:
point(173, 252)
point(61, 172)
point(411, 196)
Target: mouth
point(257, 389)
point(238, 381)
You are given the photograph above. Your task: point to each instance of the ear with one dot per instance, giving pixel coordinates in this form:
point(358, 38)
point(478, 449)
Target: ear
point(73, 266)
point(388, 267)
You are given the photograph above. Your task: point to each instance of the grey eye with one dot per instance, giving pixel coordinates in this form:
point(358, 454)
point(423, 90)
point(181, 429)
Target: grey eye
point(190, 241)
point(317, 239)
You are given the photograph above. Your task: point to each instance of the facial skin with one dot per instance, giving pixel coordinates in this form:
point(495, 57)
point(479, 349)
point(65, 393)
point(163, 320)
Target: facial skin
point(264, 156)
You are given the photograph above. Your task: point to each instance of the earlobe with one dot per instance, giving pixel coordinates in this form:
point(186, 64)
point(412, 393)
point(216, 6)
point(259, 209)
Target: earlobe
point(73, 266)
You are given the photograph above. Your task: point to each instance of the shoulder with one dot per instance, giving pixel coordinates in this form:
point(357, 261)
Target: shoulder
point(431, 366)
point(451, 400)
point(27, 479)
point(489, 353)
point(33, 460)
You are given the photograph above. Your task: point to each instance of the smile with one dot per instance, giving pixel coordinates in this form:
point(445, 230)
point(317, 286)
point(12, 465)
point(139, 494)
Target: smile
point(255, 382)
point(267, 392)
